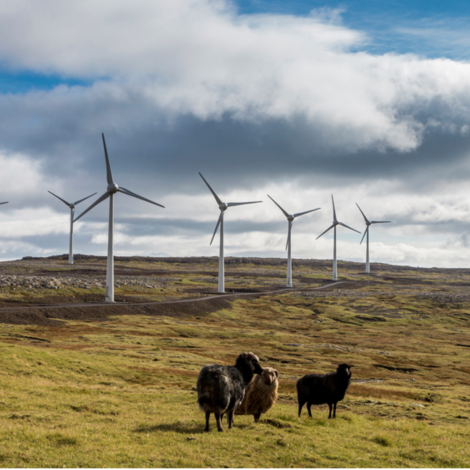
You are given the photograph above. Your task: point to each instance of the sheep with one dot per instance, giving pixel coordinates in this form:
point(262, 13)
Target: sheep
point(260, 395)
point(316, 389)
point(221, 389)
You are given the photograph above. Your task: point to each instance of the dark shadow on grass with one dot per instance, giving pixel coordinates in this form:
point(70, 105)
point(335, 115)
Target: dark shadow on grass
point(182, 428)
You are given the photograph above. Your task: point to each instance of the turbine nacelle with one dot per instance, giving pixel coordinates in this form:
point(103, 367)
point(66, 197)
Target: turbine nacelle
point(336, 222)
point(368, 223)
point(112, 188)
point(223, 206)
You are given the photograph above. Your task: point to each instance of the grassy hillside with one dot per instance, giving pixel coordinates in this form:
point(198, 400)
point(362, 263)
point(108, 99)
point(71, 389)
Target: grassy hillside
point(119, 391)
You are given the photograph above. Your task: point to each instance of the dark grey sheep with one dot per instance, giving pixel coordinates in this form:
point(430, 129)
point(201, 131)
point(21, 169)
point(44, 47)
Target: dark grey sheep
point(221, 389)
point(316, 389)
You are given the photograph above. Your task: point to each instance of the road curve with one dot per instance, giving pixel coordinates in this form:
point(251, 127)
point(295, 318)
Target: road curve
point(166, 302)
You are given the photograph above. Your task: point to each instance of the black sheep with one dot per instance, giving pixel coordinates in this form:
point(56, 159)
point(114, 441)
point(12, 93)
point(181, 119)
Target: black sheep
point(316, 389)
point(221, 389)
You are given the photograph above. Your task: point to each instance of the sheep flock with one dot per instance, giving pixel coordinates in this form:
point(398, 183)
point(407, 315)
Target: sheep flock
point(248, 389)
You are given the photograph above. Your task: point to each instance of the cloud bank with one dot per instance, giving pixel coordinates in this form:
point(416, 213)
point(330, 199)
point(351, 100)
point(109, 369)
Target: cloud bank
point(285, 105)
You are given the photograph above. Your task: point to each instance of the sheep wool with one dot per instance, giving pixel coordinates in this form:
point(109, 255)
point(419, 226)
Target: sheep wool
point(316, 389)
point(261, 394)
point(221, 389)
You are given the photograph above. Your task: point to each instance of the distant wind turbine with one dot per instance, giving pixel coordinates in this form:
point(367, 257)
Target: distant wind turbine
point(72, 211)
point(335, 223)
point(111, 190)
point(367, 232)
point(223, 207)
point(290, 221)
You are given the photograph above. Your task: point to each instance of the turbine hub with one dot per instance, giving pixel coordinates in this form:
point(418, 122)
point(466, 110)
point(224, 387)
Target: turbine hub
point(290, 218)
point(223, 206)
point(113, 188)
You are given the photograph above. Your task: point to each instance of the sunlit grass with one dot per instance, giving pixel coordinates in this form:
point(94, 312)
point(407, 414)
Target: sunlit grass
point(121, 392)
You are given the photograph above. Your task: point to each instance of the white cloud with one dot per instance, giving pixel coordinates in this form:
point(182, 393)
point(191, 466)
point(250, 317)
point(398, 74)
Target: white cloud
point(198, 57)
point(154, 61)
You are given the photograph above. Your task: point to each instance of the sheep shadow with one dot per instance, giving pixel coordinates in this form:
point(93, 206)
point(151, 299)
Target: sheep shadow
point(181, 428)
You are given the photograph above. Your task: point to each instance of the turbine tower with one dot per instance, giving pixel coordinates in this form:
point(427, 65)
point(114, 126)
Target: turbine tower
point(290, 221)
point(111, 190)
point(335, 223)
point(72, 211)
point(367, 232)
point(223, 207)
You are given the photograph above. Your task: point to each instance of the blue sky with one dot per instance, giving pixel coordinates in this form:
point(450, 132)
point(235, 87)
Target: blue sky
point(366, 100)
point(428, 28)
point(392, 26)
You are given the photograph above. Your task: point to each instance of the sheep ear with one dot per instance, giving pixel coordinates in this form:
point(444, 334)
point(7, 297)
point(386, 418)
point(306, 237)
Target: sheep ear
point(277, 375)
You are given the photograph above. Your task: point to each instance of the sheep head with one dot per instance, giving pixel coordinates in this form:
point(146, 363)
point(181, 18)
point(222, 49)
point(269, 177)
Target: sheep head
point(252, 360)
point(344, 369)
point(269, 375)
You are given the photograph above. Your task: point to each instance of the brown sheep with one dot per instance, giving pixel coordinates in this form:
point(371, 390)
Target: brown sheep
point(260, 395)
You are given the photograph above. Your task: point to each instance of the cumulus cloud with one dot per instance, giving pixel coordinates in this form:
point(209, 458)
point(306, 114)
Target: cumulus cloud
point(285, 105)
point(199, 58)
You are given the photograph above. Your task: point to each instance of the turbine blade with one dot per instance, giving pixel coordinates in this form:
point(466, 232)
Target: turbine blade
point(366, 230)
point(353, 229)
point(109, 175)
point(334, 211)
point(65, 202)
point(217, 226)
point(288, 234)
point(81, 200)
point(130, 193)
point(212, 191)
point(381, 222)
point(365, 218)
point(283, 211)
point(325, 231)
point(231, 204)
point(101, 199)
point(3, 203)
point(306, 212)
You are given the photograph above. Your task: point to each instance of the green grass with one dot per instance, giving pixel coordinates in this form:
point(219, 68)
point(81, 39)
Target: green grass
point(121, 392)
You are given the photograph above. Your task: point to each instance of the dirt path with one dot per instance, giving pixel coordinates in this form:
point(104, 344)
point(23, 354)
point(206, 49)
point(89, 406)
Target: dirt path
point(54, 314)
point(166, 302)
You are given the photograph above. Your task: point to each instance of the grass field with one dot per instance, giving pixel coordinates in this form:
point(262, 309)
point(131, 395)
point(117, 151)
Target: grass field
point(120, 392)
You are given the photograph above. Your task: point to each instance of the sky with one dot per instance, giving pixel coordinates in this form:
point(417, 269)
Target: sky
point(368, 101)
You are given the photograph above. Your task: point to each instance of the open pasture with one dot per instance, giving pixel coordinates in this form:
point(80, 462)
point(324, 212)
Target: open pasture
point(114, 386)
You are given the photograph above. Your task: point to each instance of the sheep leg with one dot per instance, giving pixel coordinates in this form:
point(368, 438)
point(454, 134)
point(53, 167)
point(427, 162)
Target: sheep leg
point(330, 407)
point(309, 408)
point(218, 419)
point(301, 404)
point(334, 410)
point(230, 418)
point(208, 414)
point(257, 416)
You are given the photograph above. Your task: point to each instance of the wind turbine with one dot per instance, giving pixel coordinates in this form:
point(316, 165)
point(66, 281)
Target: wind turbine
point(72, 211)
point(223, 207)
point(111, 190)
point(335, 223)
point(367, 231)
point(290, 221)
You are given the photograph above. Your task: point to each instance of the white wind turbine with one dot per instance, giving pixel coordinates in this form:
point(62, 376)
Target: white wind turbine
point(335, 223)
point(72, 212)
point(367, 232)
point(223, 207)
point(111, 190)
point(290, 221)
